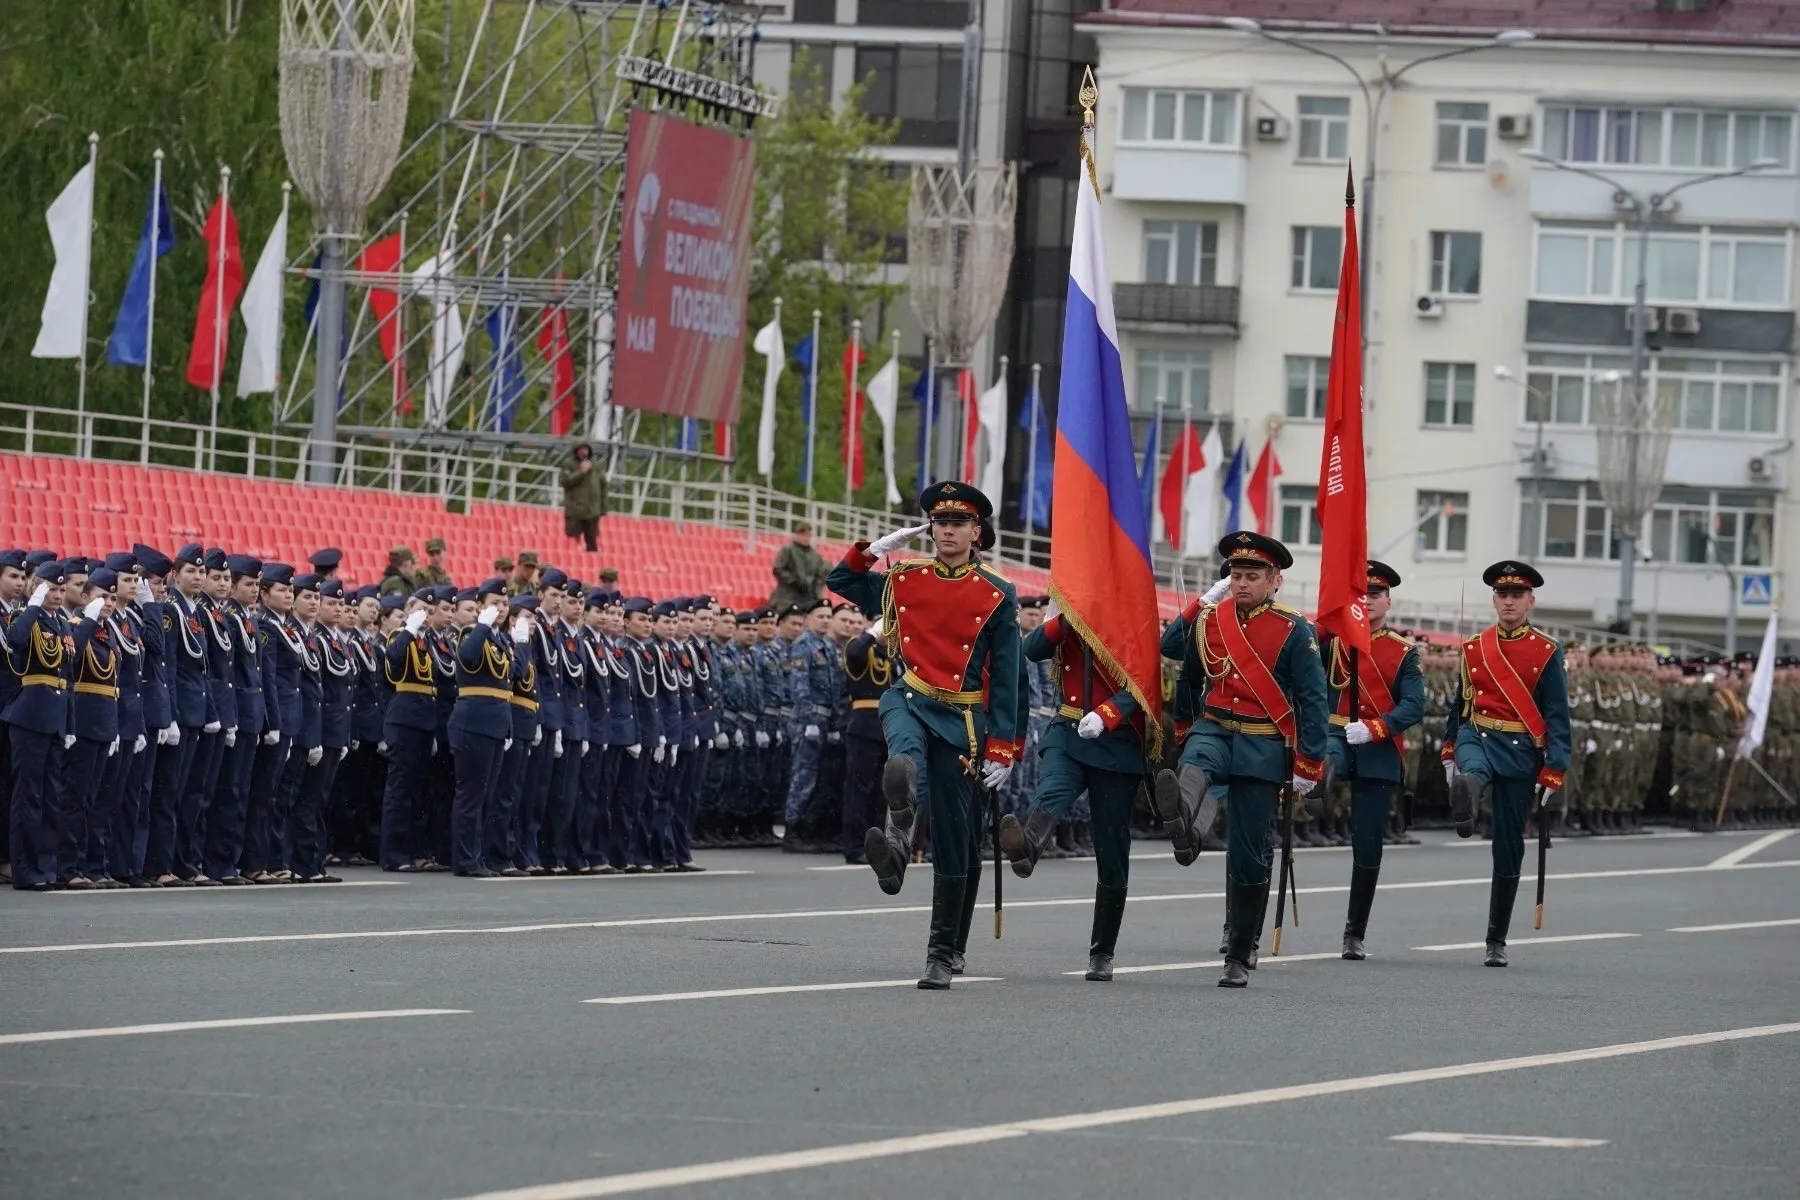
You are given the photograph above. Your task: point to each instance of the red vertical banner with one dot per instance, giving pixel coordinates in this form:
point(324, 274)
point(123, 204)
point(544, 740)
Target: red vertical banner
point(553, 344)
point(1342, 500)
point(383, 258)
point(854, 357)
point(224, 273)
point(966, 397)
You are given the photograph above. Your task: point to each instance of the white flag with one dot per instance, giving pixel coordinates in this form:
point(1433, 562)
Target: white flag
point(446, 341)
point(600, 382)
point(71, 221)
point(990, 410)
point(1762, 687)
point(884, 398)
point(260, 368)
point(1200, 500)
point(768, 344)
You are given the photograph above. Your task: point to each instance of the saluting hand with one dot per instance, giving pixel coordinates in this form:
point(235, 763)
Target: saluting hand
point(1217, 591)
point(415, 622)
point(38, 596)
point(94, 608)
point(886, 545)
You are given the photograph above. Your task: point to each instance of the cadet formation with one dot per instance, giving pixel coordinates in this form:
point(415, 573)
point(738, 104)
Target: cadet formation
point(203, 718)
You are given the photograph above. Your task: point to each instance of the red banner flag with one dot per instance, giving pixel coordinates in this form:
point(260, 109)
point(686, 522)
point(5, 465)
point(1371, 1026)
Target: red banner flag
point(965, 395)
point(218, 298)
point(383, 258)
point(1184, 460)
point(724, 439)
point(1343, 493)
point(553, 344)
point(1262, 489)
point(854, 357)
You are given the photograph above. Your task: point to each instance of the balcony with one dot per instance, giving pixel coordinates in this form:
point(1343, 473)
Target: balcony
point(1177, 308)
point(1763, 198)
point(1180, 174)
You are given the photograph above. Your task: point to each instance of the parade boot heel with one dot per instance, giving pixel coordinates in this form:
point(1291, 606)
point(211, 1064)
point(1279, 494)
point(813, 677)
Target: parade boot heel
point(1024, 844)
point(1262, 912)
point(1225, 936)
point(1465, 798)
point(1180, 801)
point(1500, 907)
point(1362, 898)
point(946, 917)
point(889, 849)
point(1109, 912)
point(1247, 904)
point(971, 892)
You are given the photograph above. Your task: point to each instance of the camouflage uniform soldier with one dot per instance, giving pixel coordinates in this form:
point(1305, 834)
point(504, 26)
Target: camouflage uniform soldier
point(1584, 743)
point(433, 572)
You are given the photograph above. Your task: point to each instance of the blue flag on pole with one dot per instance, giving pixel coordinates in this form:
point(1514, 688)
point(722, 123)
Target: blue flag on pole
point(924, 395)
point(130, 341)
point(690, 434)
point(1147, 471)
point(1035, 500)
point(803, 357)
point(506, 370)
point(1237, 478)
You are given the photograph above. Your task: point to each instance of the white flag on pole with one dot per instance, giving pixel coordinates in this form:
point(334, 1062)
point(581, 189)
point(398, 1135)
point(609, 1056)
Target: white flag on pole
point(768, 344)
point(600, 382)
point(884, 398)
point(259, 370)
point(1200, 499)
point(1762, 688)
point(447, 341)
point(71, 221)
point(990, 410)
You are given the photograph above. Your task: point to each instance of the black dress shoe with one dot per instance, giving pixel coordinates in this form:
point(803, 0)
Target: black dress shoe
point(178, 881)
point(514, 873)
point(233, 880)
point(1496, 955)
point(137, 881)
point(692, 868)
point(1235, 976)
point(477, 873)
point(957, 962)
point(1099, 968)
point(937, 975)
point(1353, 948)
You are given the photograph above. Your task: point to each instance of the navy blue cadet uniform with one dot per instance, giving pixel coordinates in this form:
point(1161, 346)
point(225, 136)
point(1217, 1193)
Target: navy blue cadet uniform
point(153, 686)
point(11, 559)
point(672, 707)
point(363, 777)
point(559, 840)
point(336, 686)
point(593, 835)
point(41, 654)
point(280, 646)
point(120, 779)
point(1366, 748)
point(868, 672)
point(408, 728)
point(306, 840)
point(646, 697)
point(185, 637)
point(745, 708)
point(505, 815)
point(1509, 731)
point(624, 745)
point(229, 815)
point(540, 764)
point(93, 728)
point(486, 663)
point(197, 813)
point(698, 725)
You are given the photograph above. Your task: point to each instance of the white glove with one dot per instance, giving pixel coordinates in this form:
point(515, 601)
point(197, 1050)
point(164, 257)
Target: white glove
point(272, 738)
point(355, 744)
point(381, 749)
point(875, 628)
point(521, 630)
point(722, 742)
point(993, 774)
point(1357, 733)
point(112, 747)
point(1591, 746)
point(144, 594)
point(505, 745)
point(537, 736)
point(556, 745)
point(230, 737)
point(162, 737)
point(210, 727)
point(1450, 772)
point(174, 732)
point(315, 756)
point(882, 547)
point(656, 755)
point(1051, 610)
point(415, 622)
point(635, 749)
point(780, 738)
point(37, 596)
point(488, 616)
point(1303, 786)
point(94, 608)
point(661, 740)
point(137, 744)
point(810, 733)
point(833, 738)
point(343, 751)
point(68, 740)
point(1091, 725)
point(737, 739)
point(674, 753)
point(434, 747)
point(584, 749)
point(693, 742)
point(762, 740)
point(1217, 591)
point(1543, 796)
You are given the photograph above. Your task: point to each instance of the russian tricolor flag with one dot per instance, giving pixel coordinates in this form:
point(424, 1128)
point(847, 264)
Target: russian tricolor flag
point(1100, 573)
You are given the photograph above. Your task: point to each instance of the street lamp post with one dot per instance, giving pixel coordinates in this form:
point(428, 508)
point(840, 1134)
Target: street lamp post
point(1645, 210)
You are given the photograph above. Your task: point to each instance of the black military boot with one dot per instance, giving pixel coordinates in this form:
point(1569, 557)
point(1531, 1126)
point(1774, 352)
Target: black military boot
point(946, 917)
point(1362, 898)
point(1225, 937)
point(1186, 809)
point(971, 891)
point(1247, 914)
point(1262, 913)
point(1109, 911)
point(1500, 906)
point(1024, 844)
point(1465, 798)
point(889, 849)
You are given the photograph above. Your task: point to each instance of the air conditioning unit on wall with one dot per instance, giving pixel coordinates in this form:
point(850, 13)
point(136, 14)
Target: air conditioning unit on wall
point(1271, 129)
point(1681, 320)
point(1429, 308)
point(1514, 127)
point(1652, 320)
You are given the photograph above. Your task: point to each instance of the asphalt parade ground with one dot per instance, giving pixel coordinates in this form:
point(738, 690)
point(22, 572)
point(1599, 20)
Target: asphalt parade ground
point(754, 1032)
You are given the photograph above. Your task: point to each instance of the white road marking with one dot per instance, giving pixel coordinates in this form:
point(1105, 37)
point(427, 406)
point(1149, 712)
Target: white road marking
point(617, 875)
point(1262, 960)
point(1743, 853)
point(825, 1156)
point(1738, 925)
point(70, 1035)
point(145, 893)
point(1522, 1140)
point(781, 991)
point(809, 914)
point(1534, 941)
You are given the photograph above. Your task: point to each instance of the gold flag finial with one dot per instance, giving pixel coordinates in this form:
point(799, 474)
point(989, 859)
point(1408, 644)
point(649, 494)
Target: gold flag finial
point(1089, 95)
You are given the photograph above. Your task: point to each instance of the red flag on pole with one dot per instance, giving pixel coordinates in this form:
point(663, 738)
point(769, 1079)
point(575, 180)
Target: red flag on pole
point(965, 395)
point(553, 344)
point(1184, 460)
point(218, 298)
point(1343, 492)
point(722, 439)
point(1262, 488)
point(854, 357)
point(383, 258)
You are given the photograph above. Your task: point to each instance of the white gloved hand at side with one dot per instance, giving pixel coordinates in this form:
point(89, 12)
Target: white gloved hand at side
point(674, 753)
point(1302, 785)
point(415, 622)
point(810, 733)
point(636, 749)
point(505, 745)
point(884, 546)
point(722, 742)
point(657, 754)
point(342, 752)
point(1091, 725)
point(112, 747)
point(1591, 746)
point(762, 740)
point(993, 774)
point(68, 740)
point(315, 756)
point(230, 738)
point(833, 738)
point(537, 736)
point(137, 744)
point(174, 734)
point(272, 738)
point(210, 727)
point(1357, 733)
point(556, 744)
point(737, 739)
point(875, 628)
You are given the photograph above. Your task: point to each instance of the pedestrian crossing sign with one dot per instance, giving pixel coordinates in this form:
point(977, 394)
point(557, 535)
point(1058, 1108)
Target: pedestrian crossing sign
point(1755, 589)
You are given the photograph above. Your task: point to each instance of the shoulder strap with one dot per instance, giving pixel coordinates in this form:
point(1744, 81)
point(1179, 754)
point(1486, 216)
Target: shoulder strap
point(1506, 678)
point(1257, 676)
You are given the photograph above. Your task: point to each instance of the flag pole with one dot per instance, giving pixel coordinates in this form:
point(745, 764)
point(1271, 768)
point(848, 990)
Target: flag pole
point(930, 409)
point(887, 465)
point(81, 433)
point(1031, 462)
point(852, 428)
point(150, 311)
point(400, 325)
point(218, 321)
point(812, 415)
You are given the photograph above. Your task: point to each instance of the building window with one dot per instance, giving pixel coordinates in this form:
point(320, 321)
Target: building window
point(1687, 526)
point(1181, 252)
point(1446, 529)
point(815, 12)
point(1300, 515)
point(1318, 251)
point(920, 86)
point(1306, 380)
point(1324, 128)
point(1706, 139)
point(1456, 264)
point(1450, 394)
point(1175, 379)
point(1197, 118)
point(1730, 268)
point(1702, 394)
point(1462, 131)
